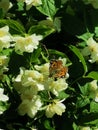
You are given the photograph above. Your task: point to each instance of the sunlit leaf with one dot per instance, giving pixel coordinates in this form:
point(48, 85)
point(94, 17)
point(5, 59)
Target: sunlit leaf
point(93, 75)
point(94, 107)
point(20, 6)
point(84, 89)
point(15, 27)
point(75, 127)
point(85, 36)
point(63, 95)
point(81, 102)
point(41, 29)
point(48, 8)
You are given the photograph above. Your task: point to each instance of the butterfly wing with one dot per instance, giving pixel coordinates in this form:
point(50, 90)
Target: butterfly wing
point(56, 69)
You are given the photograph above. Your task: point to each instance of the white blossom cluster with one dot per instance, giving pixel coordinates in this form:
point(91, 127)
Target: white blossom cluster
point(27, 43)
point(5, 39)
point(91, 50)
point(29, 84)
point(19, 44)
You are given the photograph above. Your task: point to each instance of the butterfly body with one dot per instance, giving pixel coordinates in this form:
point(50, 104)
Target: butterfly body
point(56, 69)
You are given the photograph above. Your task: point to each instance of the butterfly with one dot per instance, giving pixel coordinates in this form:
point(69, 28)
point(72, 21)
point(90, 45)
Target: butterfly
point(56, 69)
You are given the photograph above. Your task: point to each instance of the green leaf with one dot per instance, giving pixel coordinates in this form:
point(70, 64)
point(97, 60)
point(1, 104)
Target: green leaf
point(3, 106)
point(20, 6)
point(85, 36)
point(56, 54)
point(93, 75)
point(84, 89)
point(63, 1)
point(70, 10)
point(1, 13)
point(89, 119)
point(48, 8)
point(75, 127)
point(80, 56)
point(94, 107)
point(81, 102)
point(57, 24)
point(35, 55)
point(15, 27)
point(47, 125)
point(63, 95)
point(42, 30)
point(96, 31)
point(7, 51)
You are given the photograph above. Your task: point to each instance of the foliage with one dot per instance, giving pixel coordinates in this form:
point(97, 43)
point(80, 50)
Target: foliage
point(34, 95)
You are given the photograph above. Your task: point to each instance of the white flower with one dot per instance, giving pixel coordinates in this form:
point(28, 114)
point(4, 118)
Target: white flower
point(1, 112)
point(28, 83)
point(17, 81)
point(27, 44)
point(55, 108)
point(31, 77)
point(30, 3)
point(28, 92)
point(5, 37)
point(44, 69)
point(93, 47)
point(3, 97)
point(30, 107)
point(96, 96)
point(92, 50)
point(93, 85)
point(3, 60)
point(56, 86)
point(94, 89)
point(33, 2)
point(33, 128)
